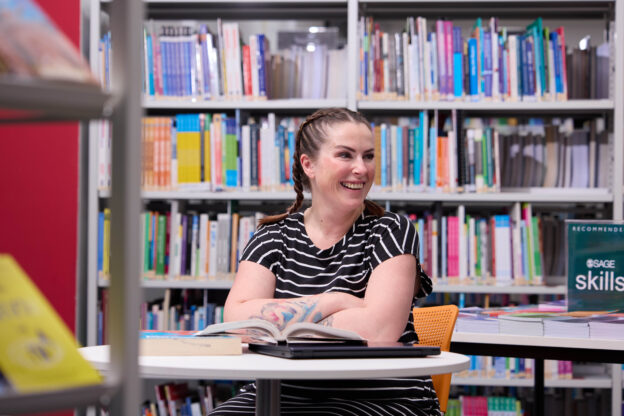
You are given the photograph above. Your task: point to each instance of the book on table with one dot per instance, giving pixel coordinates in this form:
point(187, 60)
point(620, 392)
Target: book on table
point(259, 330)
point(567, 327)
point(180, 343)
point(607, 326)
point(529, 323)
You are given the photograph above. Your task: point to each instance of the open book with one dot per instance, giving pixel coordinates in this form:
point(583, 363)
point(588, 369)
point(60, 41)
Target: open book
point(261, 330)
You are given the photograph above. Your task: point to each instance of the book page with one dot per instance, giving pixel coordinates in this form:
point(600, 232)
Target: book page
point(252, 327)
point(312, 330)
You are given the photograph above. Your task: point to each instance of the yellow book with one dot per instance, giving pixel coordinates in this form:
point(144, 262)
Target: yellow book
point(37, 350)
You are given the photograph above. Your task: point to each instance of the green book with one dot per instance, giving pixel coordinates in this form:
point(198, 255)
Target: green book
point(537, 255)
point(536, 31)
point(161, 242)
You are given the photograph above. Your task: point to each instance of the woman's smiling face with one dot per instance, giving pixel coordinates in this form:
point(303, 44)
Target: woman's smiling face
point(344, 169)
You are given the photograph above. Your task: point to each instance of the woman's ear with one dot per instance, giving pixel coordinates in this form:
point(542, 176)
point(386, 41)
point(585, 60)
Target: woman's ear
point(307, 165)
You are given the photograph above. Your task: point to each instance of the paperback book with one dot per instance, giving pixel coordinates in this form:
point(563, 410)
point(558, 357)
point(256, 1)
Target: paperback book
point(177, 343)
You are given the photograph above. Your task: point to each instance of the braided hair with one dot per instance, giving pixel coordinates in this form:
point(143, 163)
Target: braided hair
point(310, 136)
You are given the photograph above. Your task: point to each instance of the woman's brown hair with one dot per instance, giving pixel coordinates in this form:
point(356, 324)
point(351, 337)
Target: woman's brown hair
point(310, 136)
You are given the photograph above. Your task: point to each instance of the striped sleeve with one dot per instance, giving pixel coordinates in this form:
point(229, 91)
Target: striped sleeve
point(398, 236)
point(264, 247)
point(394, 235)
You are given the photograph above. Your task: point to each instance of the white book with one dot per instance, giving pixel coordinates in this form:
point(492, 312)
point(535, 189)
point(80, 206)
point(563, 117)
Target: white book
point(203, 246)
point(336, 77)
point(223, 244)
point(516, 242)
point(213, 229)
point(452, 161)
point(502, 239)
point(213, 67)
point(406, 66)
point(414, 70)
point(495, 69)
point(194, 245)
point(176, 241)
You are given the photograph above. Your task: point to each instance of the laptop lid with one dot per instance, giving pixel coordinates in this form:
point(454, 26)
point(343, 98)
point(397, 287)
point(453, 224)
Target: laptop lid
point(344, 350)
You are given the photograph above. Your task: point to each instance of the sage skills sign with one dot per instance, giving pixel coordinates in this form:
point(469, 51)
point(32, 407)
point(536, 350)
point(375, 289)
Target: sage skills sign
point(595, 265)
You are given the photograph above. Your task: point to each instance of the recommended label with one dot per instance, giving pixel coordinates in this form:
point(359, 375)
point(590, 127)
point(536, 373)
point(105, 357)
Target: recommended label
point(595, 265)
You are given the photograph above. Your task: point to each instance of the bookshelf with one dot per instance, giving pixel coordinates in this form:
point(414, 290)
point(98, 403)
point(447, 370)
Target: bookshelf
point(38, 101)
point(575, 13)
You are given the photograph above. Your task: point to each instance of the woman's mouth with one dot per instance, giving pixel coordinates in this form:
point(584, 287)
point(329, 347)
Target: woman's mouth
point(353, 185)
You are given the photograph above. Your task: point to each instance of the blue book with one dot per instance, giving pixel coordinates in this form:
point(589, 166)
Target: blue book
point(205, 61)
point(384, 155)
point(458, 63)
point(149, 63)
point(411, 149)
point(472, 68)
point(100, 241)
point(487, 64)
point(187, 63)
point(418, 156)
point(280, 143)
point(291, 153)
point(554, 40)
point(164, 61)
point(262, 89)
point(433, 148)
point(530, 66)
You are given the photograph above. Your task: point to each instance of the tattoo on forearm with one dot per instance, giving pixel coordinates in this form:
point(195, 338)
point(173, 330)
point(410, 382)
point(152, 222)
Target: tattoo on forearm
point(284, 312)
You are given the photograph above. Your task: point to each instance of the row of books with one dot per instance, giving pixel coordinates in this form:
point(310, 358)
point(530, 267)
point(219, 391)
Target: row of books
point(185, 246)
point(212, 152)
point(162, 316)
point(187, 398)
point(597, 325)
point(514, 368)
point(176, 310)
point(484, 406)
point(437, 62)
point(207, 61)
point(500, 249)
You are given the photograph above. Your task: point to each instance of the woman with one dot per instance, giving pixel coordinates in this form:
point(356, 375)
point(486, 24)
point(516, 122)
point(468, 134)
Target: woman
point(343, 262)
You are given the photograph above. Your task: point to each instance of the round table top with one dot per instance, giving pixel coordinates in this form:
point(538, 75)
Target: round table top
point(250, 366)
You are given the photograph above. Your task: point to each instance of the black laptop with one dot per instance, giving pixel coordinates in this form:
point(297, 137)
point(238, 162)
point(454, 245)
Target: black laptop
point(344, 350)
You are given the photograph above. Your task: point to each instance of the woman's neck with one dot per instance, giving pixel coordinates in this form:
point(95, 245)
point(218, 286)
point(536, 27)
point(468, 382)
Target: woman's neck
point(325, 227)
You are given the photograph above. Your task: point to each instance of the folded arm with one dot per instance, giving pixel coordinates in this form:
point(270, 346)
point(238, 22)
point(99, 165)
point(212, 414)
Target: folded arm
point(251, 296)
point(383, 314)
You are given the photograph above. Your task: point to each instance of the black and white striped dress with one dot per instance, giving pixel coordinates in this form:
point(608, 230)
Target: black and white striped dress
point(302, 269)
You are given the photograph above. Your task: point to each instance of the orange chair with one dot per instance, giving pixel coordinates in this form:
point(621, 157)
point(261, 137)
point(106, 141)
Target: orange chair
point(434, 326)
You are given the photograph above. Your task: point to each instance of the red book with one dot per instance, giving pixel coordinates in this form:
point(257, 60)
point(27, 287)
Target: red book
point(247, 87)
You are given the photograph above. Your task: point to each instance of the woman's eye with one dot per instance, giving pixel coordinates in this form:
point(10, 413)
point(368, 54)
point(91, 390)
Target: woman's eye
point(369, 156)
point(344, 155)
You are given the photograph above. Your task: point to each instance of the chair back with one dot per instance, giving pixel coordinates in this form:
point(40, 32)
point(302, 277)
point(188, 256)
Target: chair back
point(434, 326)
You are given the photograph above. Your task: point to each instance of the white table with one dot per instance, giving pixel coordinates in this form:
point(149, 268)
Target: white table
point(268, 371)
point(541, 348)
